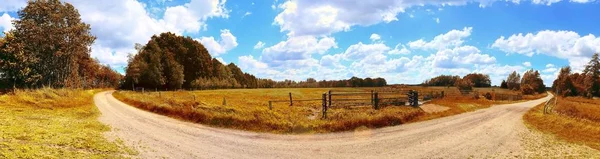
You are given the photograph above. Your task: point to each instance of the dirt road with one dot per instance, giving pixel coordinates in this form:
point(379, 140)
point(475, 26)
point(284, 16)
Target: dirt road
point(494, 132)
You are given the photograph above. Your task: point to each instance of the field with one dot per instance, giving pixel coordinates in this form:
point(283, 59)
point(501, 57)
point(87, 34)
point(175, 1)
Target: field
point(248, 109)
point(48, 123)
point(574, 119)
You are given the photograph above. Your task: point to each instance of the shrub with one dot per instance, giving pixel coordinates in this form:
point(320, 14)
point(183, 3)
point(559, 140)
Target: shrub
point(488, 96)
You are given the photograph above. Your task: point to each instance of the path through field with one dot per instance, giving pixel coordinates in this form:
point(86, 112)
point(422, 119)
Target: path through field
point(494, 132)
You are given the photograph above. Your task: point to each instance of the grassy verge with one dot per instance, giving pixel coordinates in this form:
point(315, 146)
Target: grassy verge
point(575, 120)
point(51, 123)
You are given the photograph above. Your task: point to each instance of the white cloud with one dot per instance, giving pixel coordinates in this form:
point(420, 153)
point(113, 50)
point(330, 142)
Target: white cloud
point(227, 42)
point(6, 22)
point(527, 64)
point(549, 65)
point(297, 51)
point(437, 20)
point(375, 37)
point(12, 5)
point(310, 17)
point(361, 51)
point(246, 14)
point(397, 51)
point(562, 44)
point(463, 56)
point(259, 45)
point(248, 62)
point(450, 39)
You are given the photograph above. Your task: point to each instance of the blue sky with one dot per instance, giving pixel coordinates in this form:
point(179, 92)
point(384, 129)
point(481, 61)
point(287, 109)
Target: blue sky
point(404, 42)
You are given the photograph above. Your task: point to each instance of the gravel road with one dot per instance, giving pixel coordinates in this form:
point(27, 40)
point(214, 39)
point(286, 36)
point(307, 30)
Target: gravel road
point(496, 132)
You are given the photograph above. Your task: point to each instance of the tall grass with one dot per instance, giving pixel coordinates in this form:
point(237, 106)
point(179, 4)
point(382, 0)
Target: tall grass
point(248, 109)
point(54, 123)
point(575, 119)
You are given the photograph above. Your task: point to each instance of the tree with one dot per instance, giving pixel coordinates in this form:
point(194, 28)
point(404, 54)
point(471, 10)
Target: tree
point(513, 81)
point(479, 80)
point(532, 82)
point(563, 84)
point(503, 84)
point(464, 84)
point(592, 75)
point(442, 80)
point(50, 47)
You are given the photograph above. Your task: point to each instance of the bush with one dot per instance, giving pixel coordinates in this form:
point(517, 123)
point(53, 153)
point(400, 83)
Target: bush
point(527, 89)
point(464, 85)
point(488, 96)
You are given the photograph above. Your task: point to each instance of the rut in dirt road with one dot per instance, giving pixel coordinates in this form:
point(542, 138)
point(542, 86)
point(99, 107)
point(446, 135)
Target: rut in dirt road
point(493, 132)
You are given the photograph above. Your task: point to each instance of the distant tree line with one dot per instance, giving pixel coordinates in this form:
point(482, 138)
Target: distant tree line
point(465, 83)
point(50, 46)
point(586, 84)
point(171, 62)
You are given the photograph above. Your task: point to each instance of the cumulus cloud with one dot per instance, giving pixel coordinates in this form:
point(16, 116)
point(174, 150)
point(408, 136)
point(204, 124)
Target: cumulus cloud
point(119, 24)
point(259, 45)
point(463, 56)
point(310, 17)
point(375, 37)
point(6, 22)
point(217, 48)
point(397, 51)
point(450, 39)
point(562, 44)
point(297, 51)
point(527, 64)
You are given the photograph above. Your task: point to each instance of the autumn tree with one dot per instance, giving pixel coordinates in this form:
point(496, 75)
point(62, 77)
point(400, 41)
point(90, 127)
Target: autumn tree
point(442, 80)
point(532, 83)
point(479, 80)
point(592, 80)
point(50, 46)
point(563, 84)
point(513, 81)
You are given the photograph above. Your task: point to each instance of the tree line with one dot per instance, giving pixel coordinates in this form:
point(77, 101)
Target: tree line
point(50, 46)
point(585, 84)
point(172, 62)
point(466, 82)
point(531, 82)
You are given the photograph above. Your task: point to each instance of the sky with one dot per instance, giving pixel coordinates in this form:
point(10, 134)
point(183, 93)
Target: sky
point(403, 41)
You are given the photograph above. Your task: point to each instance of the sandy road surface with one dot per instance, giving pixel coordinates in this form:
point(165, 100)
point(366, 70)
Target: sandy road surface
point(494, 132)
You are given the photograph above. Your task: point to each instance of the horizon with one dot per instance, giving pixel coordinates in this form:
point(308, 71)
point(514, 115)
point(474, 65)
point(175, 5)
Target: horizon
point(403, 43)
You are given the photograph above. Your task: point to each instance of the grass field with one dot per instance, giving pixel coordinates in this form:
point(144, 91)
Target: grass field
point(50, 123)
point(575, 119)
point(248, 109)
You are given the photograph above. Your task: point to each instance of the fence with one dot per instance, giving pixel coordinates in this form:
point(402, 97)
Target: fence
point(550, 104)
point(374, 99)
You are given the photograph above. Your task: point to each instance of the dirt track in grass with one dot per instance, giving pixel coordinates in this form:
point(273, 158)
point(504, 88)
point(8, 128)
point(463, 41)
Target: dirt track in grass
point(497, 131)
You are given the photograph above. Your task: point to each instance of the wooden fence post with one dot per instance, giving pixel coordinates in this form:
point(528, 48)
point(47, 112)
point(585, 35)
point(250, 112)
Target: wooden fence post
point(376, 101)
point(329, 98)
point(324, 106)
point(225, 101)
point(270, 105)
point(291, 102)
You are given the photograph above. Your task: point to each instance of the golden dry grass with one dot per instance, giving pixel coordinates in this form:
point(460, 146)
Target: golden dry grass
point(49, 123)
point(248, 109)
point(575, 119)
